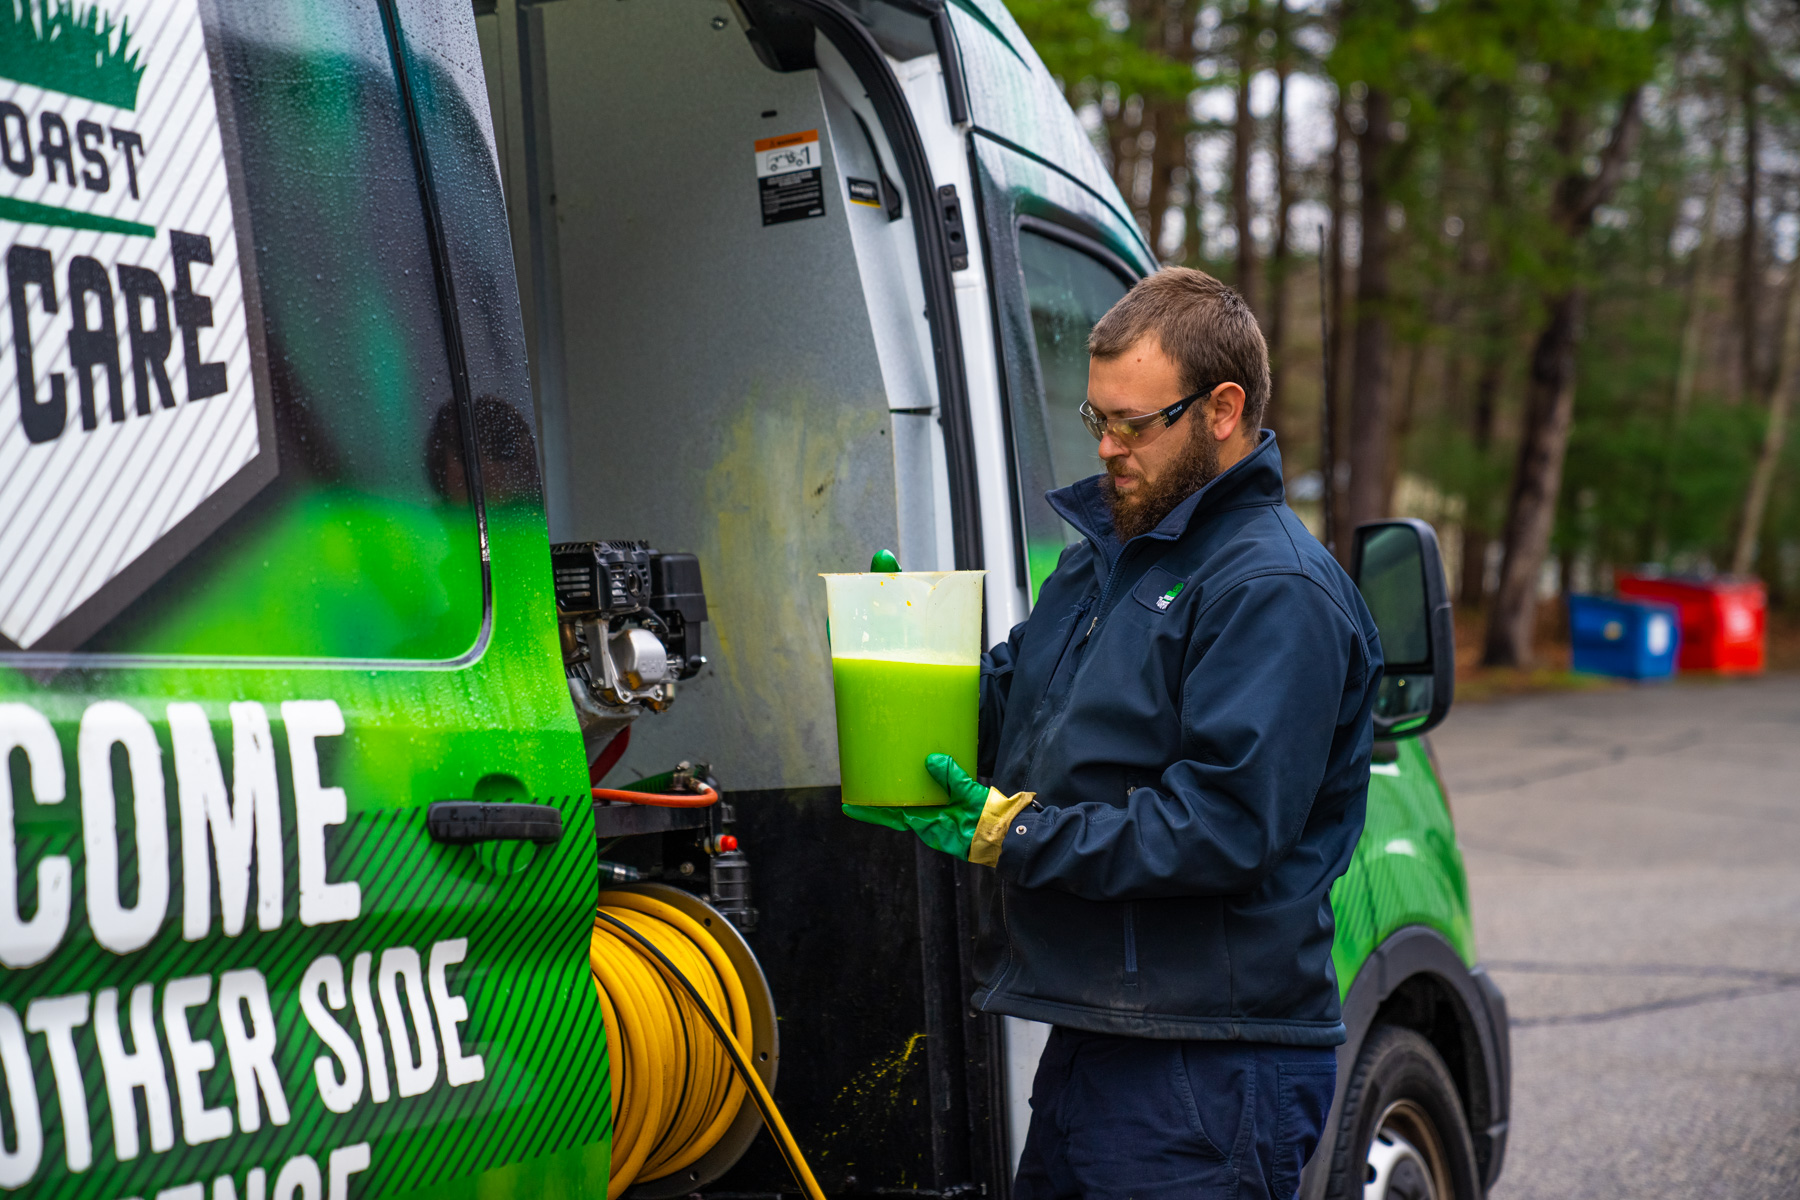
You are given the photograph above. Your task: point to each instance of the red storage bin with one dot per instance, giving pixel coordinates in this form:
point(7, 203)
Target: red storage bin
point(1723, 620)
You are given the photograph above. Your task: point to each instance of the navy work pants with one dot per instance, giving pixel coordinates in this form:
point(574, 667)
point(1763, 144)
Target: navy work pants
point(1120, 1118)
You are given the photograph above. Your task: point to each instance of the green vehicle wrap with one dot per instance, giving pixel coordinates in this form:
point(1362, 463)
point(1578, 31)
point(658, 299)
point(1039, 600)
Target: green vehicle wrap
point(1407, 870)
point(235, 963)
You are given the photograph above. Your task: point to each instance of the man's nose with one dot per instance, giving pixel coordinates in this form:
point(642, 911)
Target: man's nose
point(1112, 447)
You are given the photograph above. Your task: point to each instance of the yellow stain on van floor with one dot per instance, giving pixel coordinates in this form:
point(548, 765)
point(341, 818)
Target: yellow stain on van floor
point(871, 1100)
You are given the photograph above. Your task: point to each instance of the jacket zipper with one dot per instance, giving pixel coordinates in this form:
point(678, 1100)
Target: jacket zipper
point(1106, 592)
point(1078, 649)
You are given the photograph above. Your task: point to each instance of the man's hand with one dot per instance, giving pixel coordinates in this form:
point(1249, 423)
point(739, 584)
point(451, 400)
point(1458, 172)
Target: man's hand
point(973, 811)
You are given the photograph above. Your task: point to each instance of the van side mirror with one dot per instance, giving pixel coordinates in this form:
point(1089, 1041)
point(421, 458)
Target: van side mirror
point(1400, 573)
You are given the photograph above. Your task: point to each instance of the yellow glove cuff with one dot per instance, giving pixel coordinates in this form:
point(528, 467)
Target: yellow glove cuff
point(996, 820)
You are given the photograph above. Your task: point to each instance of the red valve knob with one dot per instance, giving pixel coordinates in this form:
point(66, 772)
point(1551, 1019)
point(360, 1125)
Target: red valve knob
point(728, 841)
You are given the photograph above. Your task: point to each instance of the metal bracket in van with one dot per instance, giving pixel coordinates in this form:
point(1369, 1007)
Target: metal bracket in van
point(950, 212)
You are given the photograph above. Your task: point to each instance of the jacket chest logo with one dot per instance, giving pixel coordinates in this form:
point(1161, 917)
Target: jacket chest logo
point(1159, 589)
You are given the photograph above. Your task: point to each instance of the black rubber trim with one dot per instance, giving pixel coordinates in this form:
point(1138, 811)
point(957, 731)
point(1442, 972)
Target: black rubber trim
point(1088, 245)
point(1500, 1070)
point(858, 46)
point(446, 286)
point(1125, 218)
point(1406, 955)
point(956, 88)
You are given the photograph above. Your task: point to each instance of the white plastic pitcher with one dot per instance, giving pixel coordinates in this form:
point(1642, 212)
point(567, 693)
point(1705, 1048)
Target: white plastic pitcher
point(906, 666)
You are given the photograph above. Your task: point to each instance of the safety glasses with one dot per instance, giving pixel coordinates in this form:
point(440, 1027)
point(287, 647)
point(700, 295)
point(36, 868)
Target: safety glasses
point(1132, 429)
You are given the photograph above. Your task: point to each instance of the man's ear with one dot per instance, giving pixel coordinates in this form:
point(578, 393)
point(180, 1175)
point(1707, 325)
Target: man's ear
point(1225, 411)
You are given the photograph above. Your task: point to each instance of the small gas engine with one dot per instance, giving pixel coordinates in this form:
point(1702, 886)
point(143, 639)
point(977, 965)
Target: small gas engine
point(630, 622)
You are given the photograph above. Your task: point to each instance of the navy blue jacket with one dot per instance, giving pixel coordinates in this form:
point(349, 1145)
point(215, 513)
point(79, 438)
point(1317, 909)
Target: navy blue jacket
point(1193, 711)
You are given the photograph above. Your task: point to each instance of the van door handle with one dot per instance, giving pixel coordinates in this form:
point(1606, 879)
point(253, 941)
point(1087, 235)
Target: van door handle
point(466, 822)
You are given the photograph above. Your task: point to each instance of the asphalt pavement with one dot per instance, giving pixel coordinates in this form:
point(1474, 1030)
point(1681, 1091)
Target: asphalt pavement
point(1634, 859)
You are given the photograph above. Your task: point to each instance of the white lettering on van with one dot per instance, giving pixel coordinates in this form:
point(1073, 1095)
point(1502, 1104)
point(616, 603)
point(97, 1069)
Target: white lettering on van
point(325, 977)
point(104, 725)
point(256, 1186)
point(413, 1074)
point(298, 1180)
point(459, 1068)
point(364, 1003)
point(26, 943)
point(190, 1060)
point(56, 1018)
point(242, 822)
point(251, 1047)
point(127, 1071)
point(315, 807)
point(344, 1162)
point(19, 1164)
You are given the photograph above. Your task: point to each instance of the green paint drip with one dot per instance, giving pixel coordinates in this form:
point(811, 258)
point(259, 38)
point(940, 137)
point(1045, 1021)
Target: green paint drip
point(80, 52)
point(28, 212)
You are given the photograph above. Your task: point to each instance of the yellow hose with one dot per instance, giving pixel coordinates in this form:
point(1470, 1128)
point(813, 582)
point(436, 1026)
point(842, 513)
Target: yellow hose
point(678, 1072)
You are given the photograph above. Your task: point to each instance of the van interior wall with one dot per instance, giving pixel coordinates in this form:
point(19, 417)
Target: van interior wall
point(722, 389)
point(764, 396)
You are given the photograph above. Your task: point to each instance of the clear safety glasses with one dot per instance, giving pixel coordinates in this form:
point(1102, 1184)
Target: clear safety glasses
point(1132, 429)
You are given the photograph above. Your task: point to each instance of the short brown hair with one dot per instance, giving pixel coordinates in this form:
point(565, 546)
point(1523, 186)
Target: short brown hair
point(1204, 326)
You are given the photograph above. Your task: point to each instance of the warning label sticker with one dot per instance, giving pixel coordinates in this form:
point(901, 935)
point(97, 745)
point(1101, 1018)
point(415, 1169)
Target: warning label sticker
point(790, 177)
point(130, 423)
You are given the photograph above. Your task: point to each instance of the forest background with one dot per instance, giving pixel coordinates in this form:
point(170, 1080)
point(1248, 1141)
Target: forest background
point(1555, 244)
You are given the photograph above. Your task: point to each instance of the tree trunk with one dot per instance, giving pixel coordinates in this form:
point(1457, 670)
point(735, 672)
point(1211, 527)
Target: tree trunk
point(1193, 242)
point(1762, 476)
point(1369, 383)
point(1332, 422)
point(1494, 349)
point(1243, 147)
point(1750, 381)
point(1550, 399)
point(1167, 120)
point(1537, 478)
point(1402, 425)
point(1284, 204)
point(1687, 367)
point(1477, 530)
point(1169, 32)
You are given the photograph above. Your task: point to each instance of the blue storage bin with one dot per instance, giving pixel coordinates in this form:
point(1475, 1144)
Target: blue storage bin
point(1629, 639)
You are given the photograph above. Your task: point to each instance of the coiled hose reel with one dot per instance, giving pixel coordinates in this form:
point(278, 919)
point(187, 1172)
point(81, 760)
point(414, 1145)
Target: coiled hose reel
point(691, 1036)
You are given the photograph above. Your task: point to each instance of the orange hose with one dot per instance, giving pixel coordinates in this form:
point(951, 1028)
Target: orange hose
point(701, 799)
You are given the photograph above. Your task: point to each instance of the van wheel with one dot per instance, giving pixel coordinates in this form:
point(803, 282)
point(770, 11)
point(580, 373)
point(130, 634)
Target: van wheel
point(1401, 1134)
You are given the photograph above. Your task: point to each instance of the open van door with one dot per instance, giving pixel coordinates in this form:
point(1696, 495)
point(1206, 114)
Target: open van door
point(274, 582)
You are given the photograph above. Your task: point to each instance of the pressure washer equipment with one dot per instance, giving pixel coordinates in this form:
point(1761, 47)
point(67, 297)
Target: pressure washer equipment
point(690, 786)
point(629, 618)
point(664, 963)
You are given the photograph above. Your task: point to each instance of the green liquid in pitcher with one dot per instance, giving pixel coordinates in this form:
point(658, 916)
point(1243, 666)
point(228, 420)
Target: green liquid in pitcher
point(890, 715)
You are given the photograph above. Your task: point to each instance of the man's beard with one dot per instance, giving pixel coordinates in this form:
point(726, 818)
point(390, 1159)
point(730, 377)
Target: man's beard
point(1155, 499)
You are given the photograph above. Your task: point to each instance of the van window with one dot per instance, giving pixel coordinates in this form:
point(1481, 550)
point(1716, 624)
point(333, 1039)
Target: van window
point(1068, 291)
point(350, 532)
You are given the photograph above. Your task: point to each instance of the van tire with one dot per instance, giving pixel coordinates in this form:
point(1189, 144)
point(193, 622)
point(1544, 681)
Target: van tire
point(1401, 1089)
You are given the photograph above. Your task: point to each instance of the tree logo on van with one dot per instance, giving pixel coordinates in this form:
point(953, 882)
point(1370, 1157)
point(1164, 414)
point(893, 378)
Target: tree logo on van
point(54, 45)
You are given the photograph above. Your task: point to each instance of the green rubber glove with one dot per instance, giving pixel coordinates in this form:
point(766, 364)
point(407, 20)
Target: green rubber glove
point(950, 829)
point(883, 562)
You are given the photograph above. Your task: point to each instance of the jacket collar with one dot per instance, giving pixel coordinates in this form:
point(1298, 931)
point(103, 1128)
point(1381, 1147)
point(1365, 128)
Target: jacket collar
point(1253, 480)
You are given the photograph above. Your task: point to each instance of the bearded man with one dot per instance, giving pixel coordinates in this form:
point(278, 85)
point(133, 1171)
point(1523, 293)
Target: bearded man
point(1178, 740)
